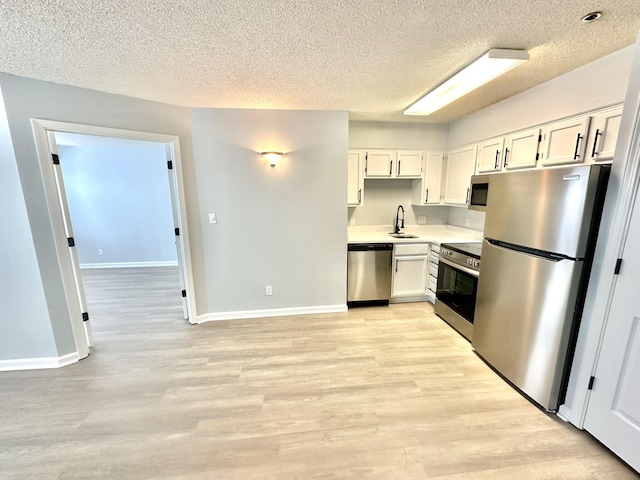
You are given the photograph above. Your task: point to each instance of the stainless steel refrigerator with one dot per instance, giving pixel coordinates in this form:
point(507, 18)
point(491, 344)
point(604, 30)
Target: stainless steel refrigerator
point(540, 233)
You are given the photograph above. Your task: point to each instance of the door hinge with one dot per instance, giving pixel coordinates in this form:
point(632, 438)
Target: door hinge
point(184, 293)
point(55, 158)
point(177, 232)
point(169, 164)
point(618, 266)
point(591, 381)
point(71, 242)
point(85, 316)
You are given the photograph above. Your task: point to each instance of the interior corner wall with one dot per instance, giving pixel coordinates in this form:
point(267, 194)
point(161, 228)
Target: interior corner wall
point(26, 99)
point(598, 84)
point(24, 319)
point(282, 226)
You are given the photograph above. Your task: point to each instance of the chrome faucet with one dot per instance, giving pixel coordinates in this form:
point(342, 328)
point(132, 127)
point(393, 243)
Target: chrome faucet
point(399, 226)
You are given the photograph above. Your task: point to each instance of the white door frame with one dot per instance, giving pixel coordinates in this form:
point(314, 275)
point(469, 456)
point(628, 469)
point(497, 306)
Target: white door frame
point(41, 130)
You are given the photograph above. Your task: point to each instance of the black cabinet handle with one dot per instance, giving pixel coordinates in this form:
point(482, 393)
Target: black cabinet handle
point(398, 167)
point(497, 155)
point(575, 153)
point(426, 197)
point(396, 265)
point(595, 143)
point(366, 165)
point(359, 195)
point(390, 167)
point(506, 154)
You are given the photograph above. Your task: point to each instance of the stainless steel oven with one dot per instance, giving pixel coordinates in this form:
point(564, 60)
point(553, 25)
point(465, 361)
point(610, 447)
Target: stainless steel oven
point(457, 285)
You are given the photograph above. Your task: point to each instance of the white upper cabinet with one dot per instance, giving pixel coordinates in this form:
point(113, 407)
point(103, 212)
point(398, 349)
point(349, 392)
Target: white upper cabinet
point(603, 134)
point(490, 155)
point(393, 164)
point(460, 166)
point(564, 142)
point(409, 163)
point(428, 190)
point(521, 149)
point(379, 163)
point(355, 178)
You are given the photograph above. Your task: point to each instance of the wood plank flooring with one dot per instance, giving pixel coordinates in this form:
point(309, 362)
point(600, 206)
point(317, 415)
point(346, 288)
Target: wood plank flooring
point(375, 393)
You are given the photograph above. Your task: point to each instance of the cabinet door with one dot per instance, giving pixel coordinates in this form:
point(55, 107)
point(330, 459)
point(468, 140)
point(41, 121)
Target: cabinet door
point(354, 178)
point(521, 149)
point(490, 155)
point(410, 276)
point(409, 164)
point(603, 134)
point(428, 191)
point(460, 166)
point(379, 163)
point(433, 178)
point(564, 142)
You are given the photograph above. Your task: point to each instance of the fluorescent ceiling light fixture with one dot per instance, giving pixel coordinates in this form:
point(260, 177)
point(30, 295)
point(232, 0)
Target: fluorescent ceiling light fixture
point(489, 66)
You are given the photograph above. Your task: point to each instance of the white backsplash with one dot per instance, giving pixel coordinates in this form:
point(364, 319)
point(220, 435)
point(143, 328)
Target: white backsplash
point(381, 200)
point(463, 217)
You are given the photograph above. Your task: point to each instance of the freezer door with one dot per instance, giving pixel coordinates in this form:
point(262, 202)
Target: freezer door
point(524, 314)
point(548, 210)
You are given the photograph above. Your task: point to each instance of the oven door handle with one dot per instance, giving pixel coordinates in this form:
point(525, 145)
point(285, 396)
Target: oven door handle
point(457, 266)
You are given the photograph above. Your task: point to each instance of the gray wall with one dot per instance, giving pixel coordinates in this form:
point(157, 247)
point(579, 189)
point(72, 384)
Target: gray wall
point(465, 218)
point(381, 200)
point(25, 330)
point(598, 84)
point(25, 99)
point(119, 201)
point(283, 226)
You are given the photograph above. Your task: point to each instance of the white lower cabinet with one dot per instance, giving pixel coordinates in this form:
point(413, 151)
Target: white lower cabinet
point(410, 271)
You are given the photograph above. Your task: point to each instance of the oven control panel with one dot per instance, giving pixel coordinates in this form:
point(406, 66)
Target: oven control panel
point(460, 258)
point(473, 262)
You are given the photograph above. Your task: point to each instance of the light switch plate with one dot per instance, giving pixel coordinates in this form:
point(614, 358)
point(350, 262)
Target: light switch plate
point(422, 219)
point(212, 218)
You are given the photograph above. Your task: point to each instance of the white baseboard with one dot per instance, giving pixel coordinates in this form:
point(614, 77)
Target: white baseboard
point(129, 264)
point(38, 363)
point(274, 312)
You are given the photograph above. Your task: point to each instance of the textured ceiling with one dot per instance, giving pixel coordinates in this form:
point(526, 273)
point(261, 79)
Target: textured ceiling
point(371, 58)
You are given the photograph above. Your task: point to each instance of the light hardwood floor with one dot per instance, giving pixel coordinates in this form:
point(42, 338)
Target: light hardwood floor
point(375, 393)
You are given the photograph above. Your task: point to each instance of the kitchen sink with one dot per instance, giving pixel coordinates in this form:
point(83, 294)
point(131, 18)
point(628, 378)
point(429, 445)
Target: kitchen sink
point(402, 235)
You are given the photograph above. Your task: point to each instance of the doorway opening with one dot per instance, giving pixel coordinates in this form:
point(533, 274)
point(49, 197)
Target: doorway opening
point(116, 202)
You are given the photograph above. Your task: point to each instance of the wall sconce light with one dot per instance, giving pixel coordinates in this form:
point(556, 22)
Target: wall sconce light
point(272, 157)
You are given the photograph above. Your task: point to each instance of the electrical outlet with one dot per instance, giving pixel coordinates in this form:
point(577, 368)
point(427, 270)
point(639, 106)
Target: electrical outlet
point(268, 290)
point(99, 251)
point(212, 218)
point(422, 219)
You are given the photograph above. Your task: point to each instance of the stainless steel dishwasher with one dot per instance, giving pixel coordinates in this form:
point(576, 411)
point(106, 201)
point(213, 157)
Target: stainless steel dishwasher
point(369, 273)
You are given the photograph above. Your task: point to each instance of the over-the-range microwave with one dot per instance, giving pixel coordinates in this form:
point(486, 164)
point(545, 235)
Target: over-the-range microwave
point(479, 192)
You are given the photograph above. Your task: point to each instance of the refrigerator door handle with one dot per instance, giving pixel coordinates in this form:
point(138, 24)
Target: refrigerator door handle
point(553, 257)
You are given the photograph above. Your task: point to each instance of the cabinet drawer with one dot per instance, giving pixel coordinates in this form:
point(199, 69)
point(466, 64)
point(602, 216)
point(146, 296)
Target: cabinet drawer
point(433, 270)
point(411, 249)
point(435, 248)
point(433, 283)
point(434, 258)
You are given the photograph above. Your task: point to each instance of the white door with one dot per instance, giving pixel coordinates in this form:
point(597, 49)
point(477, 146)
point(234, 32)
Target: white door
point(410, 276)
point(354, 188)
point(409, 164)
point(379, 163)
point(175, 208)
point(521, 149)
point(603, 134)
point(460, 167)
point(564, 142)
point(73, 253)
point(489, 155)
point(613, 412)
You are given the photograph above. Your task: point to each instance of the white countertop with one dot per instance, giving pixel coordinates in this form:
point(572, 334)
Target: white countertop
point(425, 233)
